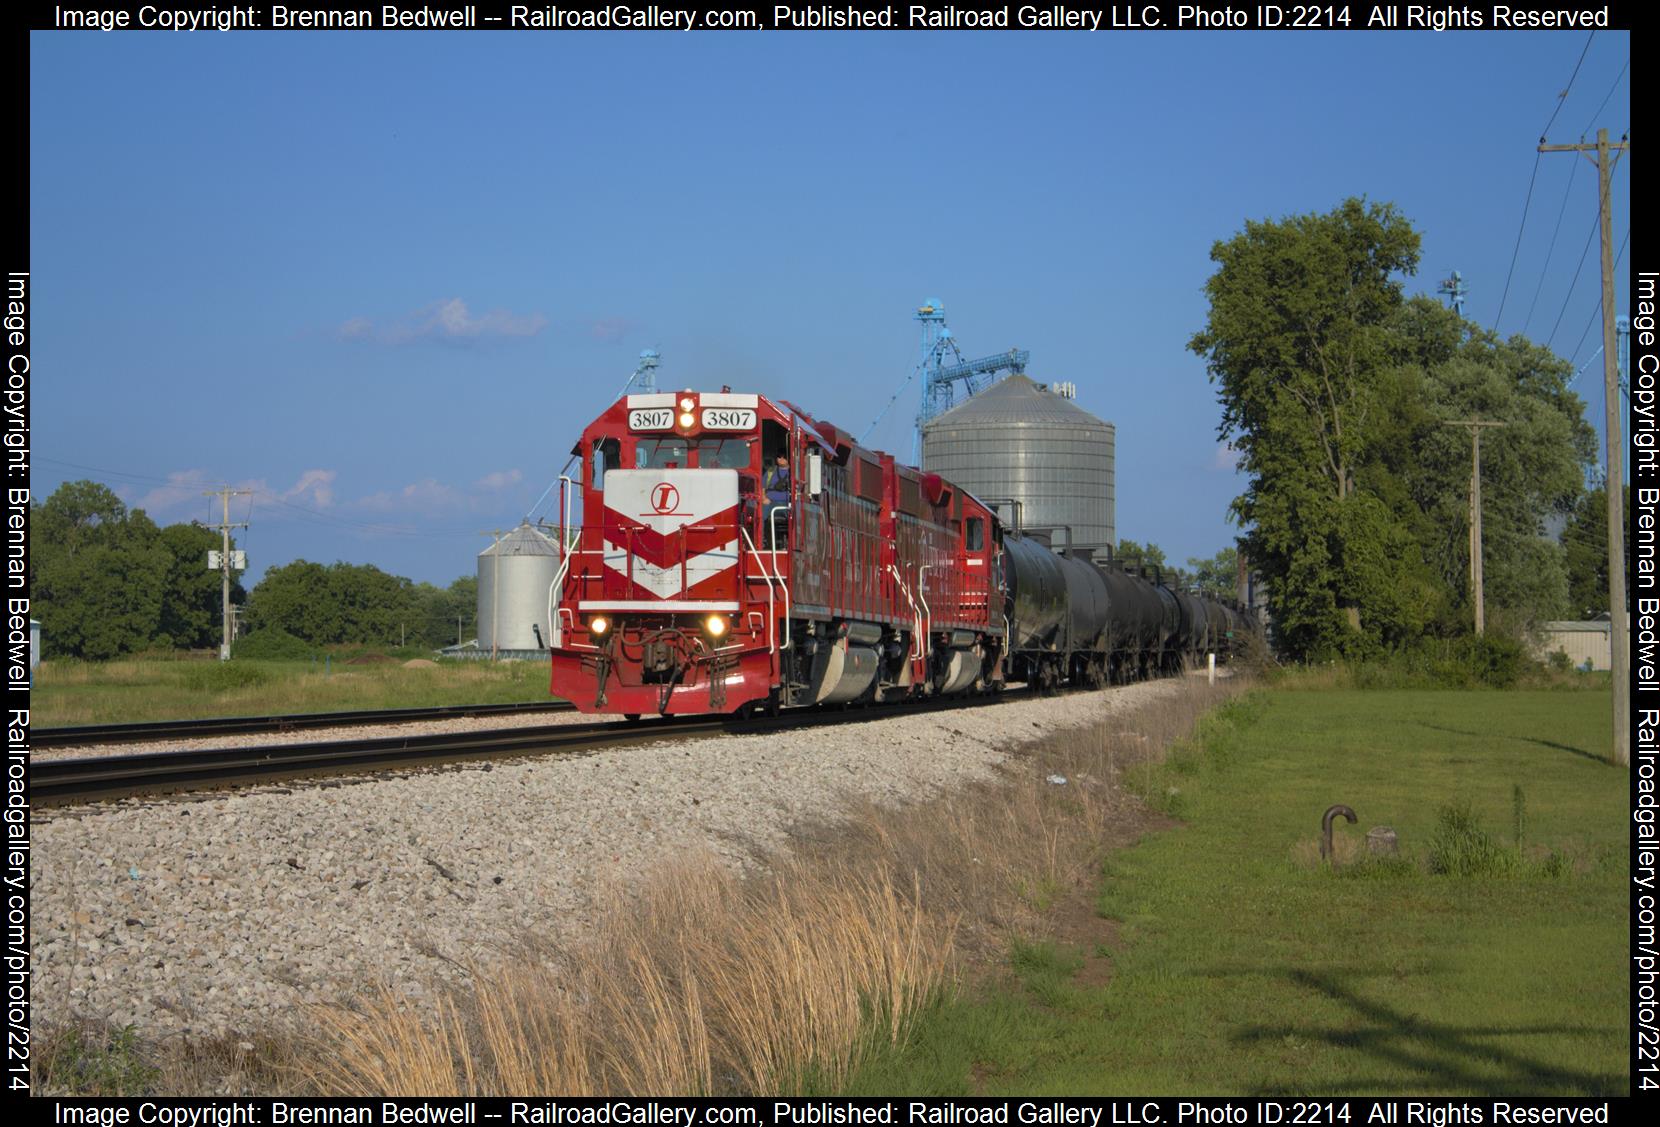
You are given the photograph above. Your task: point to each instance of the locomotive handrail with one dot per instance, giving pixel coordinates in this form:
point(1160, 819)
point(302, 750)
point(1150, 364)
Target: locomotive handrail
point(927, 615)
point(772, 618)
point(916, 618)
point(553, 601)
point(772, 528)
point(565, 483)
point(556, 612)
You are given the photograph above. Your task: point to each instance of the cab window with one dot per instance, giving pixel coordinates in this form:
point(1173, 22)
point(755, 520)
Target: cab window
point(659, 453)
point(723, 453)
point(974, 538)
point(607, 456)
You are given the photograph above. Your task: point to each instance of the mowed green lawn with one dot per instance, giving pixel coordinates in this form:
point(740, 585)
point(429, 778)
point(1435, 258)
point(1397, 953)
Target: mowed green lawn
point(67, 693)
point(1241, 965)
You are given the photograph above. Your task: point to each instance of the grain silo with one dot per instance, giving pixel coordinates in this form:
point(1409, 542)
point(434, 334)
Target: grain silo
point(1028, 442)
point(514, 575)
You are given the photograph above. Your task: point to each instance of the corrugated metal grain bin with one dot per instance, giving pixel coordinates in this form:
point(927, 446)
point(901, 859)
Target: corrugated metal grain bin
point(1017, 439)
point(514, 575)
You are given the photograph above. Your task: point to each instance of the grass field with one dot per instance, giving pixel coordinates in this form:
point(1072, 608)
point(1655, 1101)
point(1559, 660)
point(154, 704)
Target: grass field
point(75, 692)
point(1225, 958)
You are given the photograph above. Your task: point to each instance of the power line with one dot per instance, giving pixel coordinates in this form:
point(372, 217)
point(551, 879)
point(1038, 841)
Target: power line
point(1527, 203)
point(1562, 98)
point(1544, 271)
point(1574, 355)
point(314, 515)
point(134, 477)
point(1592, 123)
point(1569, 295)
point(1518, 248)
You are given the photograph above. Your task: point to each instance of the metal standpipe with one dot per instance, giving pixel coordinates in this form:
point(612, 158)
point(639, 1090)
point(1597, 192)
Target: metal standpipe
point(1332, 813)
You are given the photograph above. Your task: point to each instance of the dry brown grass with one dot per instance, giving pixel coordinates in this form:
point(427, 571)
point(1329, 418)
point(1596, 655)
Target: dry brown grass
point(702, 983)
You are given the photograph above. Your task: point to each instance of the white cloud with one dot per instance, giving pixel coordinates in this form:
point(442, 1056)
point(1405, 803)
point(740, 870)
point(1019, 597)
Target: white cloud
point(183, 488)
point(1225, 458)
point(358, 328)
point(500, 479)
point(316, 486)
point(426, 495)
point(447, 319)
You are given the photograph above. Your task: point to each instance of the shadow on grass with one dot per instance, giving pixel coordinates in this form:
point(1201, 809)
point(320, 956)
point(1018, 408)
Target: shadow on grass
point(1579, 751)
point(1449, 1058)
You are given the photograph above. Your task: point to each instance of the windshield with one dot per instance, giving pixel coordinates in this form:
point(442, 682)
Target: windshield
point(723, 453)
point(655, 453)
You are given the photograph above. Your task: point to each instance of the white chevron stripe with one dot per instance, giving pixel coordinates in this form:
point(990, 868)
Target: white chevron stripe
point(665, 581)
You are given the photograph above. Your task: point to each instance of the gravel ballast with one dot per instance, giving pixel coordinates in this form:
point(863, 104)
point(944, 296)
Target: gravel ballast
point(222, 913)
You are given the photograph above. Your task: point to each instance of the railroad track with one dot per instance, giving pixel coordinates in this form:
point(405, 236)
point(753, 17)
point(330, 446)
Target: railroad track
point(256, 725)
point(60, 782)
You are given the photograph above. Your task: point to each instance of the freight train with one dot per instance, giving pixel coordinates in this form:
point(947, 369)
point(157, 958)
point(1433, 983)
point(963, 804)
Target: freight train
point(736, 554)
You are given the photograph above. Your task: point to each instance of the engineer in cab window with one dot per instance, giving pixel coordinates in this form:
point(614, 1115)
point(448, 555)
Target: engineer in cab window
point(777, 486)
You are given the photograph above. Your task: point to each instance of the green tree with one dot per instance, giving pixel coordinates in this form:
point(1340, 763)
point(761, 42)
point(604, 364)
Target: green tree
point(1217, 576)
point(1151, 555)
point(1136, 554)
point(98, 573)
point(1532, 468)
point(1585, 544)
point(192, 604)
point(292, 598)
point(1299, 345)
point(341, 603)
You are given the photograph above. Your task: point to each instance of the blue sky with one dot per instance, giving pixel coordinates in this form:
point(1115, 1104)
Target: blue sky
point(383, 279)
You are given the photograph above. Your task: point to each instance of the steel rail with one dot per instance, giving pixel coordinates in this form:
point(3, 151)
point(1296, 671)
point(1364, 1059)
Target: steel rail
point(58, 782)
point(239, 725)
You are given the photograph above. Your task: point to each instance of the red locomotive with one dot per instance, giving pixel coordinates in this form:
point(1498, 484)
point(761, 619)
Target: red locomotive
point(736, 553)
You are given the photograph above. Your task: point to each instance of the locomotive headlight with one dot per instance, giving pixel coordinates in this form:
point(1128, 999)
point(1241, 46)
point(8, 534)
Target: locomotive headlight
point(686, 419)
point(599, 624)
point(686, 404)
point(716, 625)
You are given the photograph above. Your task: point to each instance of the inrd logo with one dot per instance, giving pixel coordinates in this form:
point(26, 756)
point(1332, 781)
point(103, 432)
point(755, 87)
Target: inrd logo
point(665, 498)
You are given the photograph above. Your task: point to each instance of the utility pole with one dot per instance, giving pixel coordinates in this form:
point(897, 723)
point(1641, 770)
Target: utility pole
point(1607, 156)
point(224, 562)
point(1476, 588)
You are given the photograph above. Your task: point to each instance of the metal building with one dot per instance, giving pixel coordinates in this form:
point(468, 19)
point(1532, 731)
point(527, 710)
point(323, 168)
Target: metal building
point(1586, 643)
point(1019, 439)
point(514, 575)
